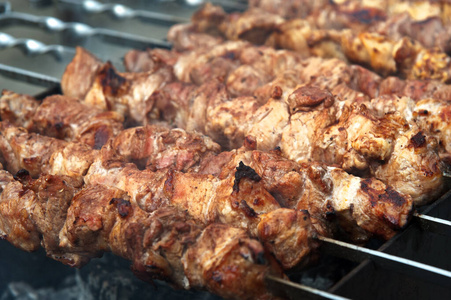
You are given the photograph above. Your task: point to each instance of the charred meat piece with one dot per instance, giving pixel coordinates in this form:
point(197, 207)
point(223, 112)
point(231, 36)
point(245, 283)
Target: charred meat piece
point(107, 89)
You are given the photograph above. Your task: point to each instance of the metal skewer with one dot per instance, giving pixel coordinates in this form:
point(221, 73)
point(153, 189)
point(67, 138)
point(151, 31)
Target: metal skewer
point(33, 47)
point(298, 291)
point(394, 263)
point(29, 76)
point(432, 224)
point(82, 30)
point(123, 12)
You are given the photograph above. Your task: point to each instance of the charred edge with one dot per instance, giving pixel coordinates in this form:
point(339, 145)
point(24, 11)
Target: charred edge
point(305, 212)
point(369, 191)
point(229, 55)
point(423, 112)
point(217, 276)
point(418, 140)
point(390, 195)
point(100, 138)
point(123, 206)
point(59, 125)
point(277, 151)
point(330, 212)
point(277, 92)
point(250, 143)
point(368, 16)
point(260, 258)
point(243, 171)
point(22, 174)
point(169, 183)
point(248, 211)
point(111, 80)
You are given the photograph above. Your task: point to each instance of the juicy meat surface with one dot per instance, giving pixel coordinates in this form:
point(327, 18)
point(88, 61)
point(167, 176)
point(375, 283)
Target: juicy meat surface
point(17, 109)
point(80, 74)
point(350, 31)
point(68, 118)
point(75, 225)
point(314, 145)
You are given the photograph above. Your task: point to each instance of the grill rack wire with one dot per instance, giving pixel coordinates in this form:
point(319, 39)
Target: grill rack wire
point(406, 262)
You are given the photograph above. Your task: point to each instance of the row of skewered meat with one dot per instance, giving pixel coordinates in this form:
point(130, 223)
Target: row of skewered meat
point(219, 162)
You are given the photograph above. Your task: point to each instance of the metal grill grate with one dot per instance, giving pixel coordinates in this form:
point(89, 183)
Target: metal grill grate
point(416, 263)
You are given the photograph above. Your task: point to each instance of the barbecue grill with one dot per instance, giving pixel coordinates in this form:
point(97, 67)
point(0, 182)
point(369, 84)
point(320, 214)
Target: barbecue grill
point(414, 264)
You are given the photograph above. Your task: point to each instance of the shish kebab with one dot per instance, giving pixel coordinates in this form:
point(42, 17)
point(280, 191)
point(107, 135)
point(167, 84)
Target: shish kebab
point(17, 227)
point(120, 207)
point(427, 22)
point(90, 63)
point(355, 14)
point(420, 101)
point(384, 51)
point(387, 146)
point(164, 244)
point(61, 157)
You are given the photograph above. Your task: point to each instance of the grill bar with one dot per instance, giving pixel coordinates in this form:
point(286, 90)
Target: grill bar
point(432, 224)
point(81, 30)
point(394, 263)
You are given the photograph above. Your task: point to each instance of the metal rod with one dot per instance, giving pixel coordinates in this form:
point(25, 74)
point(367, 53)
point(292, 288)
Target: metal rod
point(298, 291)
point(5, 7)
point(33, 47)
point(434, 225)
point(231, 4)
point(29, 76)
point(82, 30)
point(394, 263)
point(228, 5)
point(123, 12)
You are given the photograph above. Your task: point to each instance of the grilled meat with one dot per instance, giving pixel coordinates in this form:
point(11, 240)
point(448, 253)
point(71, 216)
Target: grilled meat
point(396, 51)
point(310, 124)
point(167, 155)
point(156, 147)
point(61, 117)
point(206, 197)
point(355, 14)
point(304, 124)
point(166, 199)
point(270, 182)
point(18, 109)
point(179, 173)
point(107, 89)
point(210, 108)
point(74, 225)
point(41, 154)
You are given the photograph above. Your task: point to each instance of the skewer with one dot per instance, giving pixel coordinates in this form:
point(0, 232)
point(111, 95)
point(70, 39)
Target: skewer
point(82, 30)
point(34, 47)
point(29, 76)
point(298, 291)
point(392, 262)
point(432, 224)
point(123, 12)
